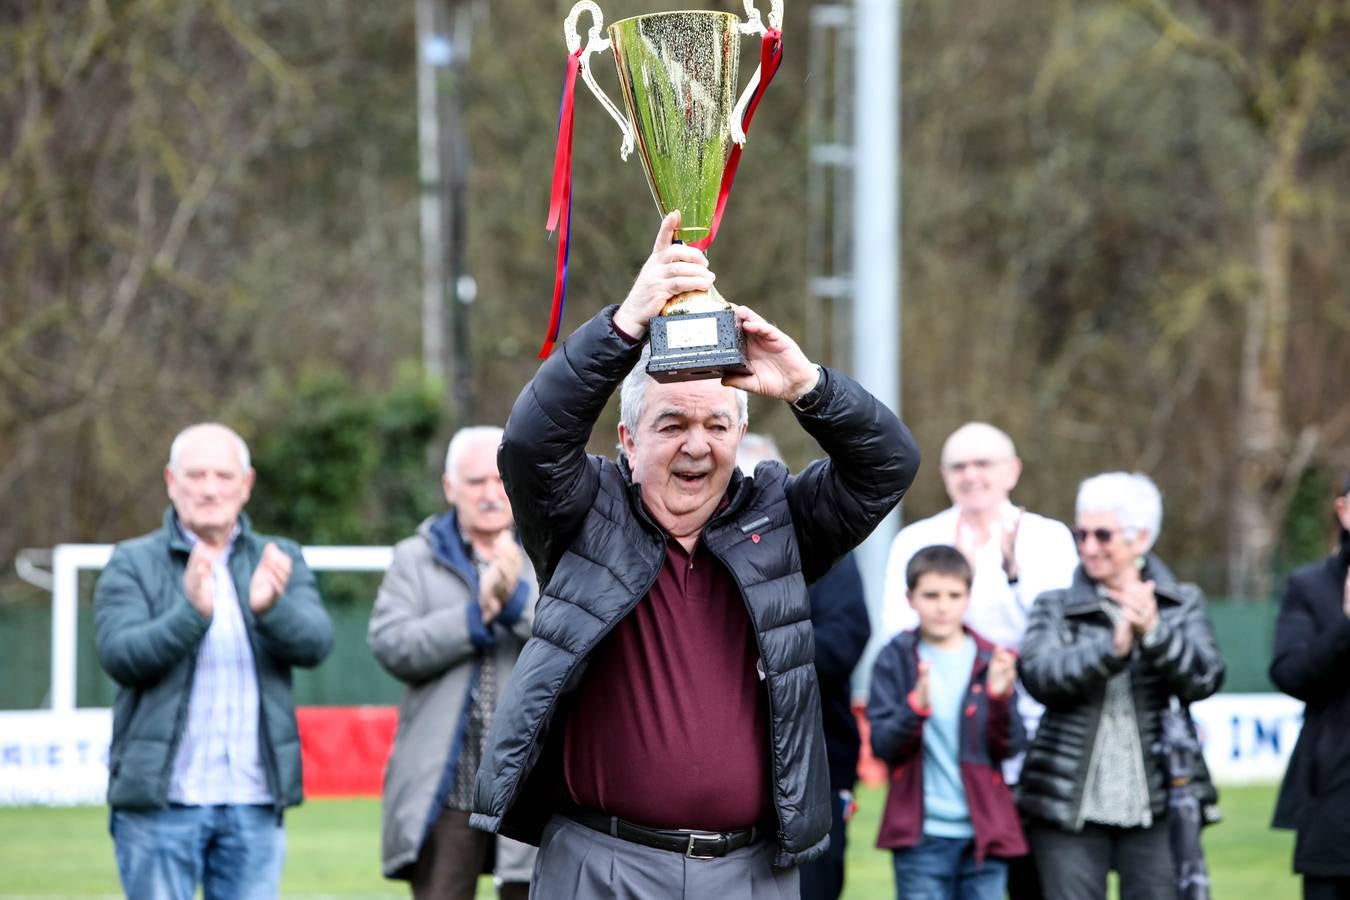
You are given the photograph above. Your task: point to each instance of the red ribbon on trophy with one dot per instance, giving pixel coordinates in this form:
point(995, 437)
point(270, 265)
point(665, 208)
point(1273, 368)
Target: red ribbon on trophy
point(770, 58)
point(560, 201)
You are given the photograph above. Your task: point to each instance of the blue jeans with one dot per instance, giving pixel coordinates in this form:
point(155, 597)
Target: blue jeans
point(944, 869)
point(233, 852)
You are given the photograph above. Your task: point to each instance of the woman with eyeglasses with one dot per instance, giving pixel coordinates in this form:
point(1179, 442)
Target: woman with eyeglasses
point(1311, 662)
point(1106, 656)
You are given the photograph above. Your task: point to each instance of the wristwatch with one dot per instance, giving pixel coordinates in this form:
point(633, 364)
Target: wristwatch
point(807, 402)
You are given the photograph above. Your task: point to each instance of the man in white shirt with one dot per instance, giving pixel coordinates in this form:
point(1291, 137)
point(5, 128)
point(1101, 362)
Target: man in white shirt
point(1016, 554)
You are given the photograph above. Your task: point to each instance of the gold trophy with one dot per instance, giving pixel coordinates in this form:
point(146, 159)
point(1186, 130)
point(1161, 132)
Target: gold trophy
point(677, 73)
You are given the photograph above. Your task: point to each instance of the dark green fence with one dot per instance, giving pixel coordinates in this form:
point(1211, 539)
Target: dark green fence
point(350, 675)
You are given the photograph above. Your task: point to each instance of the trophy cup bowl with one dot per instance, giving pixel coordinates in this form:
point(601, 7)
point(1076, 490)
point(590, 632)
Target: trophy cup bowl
point(677, 75)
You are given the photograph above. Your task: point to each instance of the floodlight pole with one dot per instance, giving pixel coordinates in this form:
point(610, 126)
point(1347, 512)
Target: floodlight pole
point(876, 236)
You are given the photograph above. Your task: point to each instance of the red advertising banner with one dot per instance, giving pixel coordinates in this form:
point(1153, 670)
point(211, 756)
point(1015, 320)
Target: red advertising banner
point(345, 748)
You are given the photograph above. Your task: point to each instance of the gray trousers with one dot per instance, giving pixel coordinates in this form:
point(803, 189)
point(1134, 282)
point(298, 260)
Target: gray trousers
point(1074, 866)
point(577, 862)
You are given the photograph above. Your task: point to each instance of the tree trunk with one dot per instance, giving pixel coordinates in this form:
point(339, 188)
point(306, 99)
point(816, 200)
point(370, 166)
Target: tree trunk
point(1262, 441)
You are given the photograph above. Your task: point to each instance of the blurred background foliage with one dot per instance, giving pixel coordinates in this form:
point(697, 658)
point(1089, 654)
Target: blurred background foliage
point(1124, 232)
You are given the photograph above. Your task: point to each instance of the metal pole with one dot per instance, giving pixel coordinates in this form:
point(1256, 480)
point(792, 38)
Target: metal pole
point(876, 237)
point(455, 166)
point(432, 51)
point(65, 621)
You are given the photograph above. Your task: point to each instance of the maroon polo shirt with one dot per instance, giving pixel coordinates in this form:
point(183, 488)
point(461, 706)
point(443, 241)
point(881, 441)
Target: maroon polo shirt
point(670, 726)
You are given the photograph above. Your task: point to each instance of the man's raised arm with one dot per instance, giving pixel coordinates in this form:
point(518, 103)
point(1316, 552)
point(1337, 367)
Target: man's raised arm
point(543, 461)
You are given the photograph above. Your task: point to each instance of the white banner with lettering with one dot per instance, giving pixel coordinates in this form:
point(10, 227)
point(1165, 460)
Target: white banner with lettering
point(61, 758)
point(54, 758)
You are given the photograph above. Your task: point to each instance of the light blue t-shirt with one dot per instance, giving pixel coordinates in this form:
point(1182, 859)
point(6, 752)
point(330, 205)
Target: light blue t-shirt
point(945, 812)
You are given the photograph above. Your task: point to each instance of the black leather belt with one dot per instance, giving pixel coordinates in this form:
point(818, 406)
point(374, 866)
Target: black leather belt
point(693, 844)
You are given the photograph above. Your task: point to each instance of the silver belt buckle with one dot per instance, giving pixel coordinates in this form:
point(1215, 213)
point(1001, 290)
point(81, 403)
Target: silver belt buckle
point(693, 837)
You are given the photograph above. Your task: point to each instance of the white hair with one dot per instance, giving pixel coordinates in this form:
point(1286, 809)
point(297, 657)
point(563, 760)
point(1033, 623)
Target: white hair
point(459, 444)
point(755, 448)
point(188, 433)
point(633, 396)
point(996, 439)
point(1131, 497)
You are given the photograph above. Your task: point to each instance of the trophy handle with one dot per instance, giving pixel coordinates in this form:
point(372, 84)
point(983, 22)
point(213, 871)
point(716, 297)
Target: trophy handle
point(752, 25)
point(596, 43)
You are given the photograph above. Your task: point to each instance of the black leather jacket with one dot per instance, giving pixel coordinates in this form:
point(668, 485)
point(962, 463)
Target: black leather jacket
point(1065, 664)
point(597, 553)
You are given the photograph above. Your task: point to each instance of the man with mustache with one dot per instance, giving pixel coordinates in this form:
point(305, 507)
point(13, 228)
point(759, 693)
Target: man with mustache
point(661, 735)
point(453, 611)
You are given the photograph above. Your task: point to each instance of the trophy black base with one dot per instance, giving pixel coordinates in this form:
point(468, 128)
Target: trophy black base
point(697, 345)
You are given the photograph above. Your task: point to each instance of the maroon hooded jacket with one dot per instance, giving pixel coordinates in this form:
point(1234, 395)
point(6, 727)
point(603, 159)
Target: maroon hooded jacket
point(991, 731)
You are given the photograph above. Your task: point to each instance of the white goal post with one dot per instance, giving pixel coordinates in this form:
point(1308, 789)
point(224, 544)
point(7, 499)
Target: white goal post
point(68, 560)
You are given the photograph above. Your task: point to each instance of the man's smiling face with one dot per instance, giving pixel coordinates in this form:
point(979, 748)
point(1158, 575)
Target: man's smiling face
point(684, 450)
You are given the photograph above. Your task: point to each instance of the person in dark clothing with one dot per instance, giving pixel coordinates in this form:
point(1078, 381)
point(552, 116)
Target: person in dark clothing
point(1311, 662)
point(841, 625)
point(201, 624)
point(660, 735)
point(1106, 656)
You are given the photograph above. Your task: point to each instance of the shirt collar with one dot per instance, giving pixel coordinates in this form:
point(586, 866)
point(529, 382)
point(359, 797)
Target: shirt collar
point(193, 539)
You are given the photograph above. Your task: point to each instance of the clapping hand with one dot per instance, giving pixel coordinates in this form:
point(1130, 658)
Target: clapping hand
point(1002, 672)
point(197, 579)
point(918, 697)
point(499, 580)
point(269, 579)
point(1139, 606)
point(1345, 603)
point(1009, 543)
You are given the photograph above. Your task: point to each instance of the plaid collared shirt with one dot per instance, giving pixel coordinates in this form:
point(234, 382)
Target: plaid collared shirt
point(219, 759)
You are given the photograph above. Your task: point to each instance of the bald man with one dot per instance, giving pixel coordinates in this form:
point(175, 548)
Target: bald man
point(1016, 555)
point(199, 623)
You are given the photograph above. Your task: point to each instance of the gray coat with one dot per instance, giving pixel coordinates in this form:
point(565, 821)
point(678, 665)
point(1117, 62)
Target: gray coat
point(147, 636)
point(426, 630)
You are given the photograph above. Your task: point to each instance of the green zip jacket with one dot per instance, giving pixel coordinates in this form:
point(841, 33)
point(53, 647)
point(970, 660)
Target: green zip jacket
point(147, 635)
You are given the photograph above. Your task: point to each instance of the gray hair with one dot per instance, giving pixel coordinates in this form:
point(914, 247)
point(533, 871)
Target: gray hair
point(180, 441)
point(1131, 497)
point(459, 444)
point(633, 395)
point(755, 448)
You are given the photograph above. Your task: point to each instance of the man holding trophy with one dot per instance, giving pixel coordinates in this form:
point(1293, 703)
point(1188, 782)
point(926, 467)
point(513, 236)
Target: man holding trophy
point(660, 735)
point(661, 732)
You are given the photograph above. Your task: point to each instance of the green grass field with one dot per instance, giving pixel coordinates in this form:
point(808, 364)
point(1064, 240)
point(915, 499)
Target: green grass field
point(333, 849)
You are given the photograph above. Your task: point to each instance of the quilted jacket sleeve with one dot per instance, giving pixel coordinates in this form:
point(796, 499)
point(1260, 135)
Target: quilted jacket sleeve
point(1058, 669)
point(896, 727)
point(871, 461)
point(297, 630)
point(136, 645)
point(1185, 651)
point(548, 476)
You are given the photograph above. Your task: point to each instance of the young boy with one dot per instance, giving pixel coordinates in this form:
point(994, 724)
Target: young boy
point(943, 719)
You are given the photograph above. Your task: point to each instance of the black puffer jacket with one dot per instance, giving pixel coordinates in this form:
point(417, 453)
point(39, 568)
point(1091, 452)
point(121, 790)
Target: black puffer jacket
point(1065, 664)
point(597, 553)
point(1311, 661)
